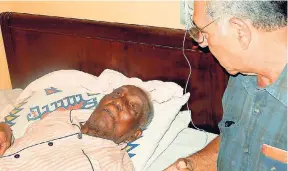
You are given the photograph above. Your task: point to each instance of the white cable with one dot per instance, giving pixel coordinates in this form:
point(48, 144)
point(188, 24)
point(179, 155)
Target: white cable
point(185, 90)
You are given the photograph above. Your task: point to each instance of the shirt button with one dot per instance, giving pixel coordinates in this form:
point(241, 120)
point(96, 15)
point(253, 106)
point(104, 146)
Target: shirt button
point(17, 156)
point(256, 110)
point(50, 143)
point(246, 150)
point(79, 136)
point(273, 168)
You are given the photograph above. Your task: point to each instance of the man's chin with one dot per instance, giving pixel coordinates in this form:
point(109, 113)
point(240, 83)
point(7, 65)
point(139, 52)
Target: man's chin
point(102, 135)
point(100, 132)
point(232, 72)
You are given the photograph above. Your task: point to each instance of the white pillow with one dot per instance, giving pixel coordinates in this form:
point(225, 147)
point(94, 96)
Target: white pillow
point(167, 100)
point(60, 79)
point(8, 98)
point(180, 123)
point(160, 91)
point(145, 146)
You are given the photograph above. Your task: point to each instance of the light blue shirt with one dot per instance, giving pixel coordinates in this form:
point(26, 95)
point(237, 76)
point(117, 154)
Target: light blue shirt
point(252, 117)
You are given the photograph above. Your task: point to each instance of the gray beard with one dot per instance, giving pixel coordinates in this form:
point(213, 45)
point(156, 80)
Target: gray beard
point(100, 133)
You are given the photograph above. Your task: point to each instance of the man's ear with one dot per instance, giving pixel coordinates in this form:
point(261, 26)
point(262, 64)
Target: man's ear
point(135, 136)
point(243, 32)
point(138, 134)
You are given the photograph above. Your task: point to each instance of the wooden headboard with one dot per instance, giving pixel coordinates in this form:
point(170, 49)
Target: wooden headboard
point(36, 45)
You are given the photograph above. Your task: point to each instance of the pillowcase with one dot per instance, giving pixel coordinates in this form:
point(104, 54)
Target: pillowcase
point(8, 97)
point(61, 79)
point(180, 123)
point(159, 91)
point(50, 93)
point(164, 114)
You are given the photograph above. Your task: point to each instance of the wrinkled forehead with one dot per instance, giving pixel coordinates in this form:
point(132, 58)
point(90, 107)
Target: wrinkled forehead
point(134, 91)
point(137, 93)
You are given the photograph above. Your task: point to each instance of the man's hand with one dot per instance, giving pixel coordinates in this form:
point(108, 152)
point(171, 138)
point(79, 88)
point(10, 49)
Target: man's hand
point(203, 160)
point(5, 137)
point(181, 164)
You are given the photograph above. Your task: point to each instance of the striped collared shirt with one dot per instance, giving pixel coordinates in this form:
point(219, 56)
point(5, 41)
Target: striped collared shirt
point(53, 143)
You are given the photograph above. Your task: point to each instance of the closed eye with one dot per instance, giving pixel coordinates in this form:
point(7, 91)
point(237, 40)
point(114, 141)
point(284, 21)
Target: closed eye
point(134, 107)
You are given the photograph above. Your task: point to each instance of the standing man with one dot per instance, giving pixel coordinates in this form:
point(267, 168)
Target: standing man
point(249, 39)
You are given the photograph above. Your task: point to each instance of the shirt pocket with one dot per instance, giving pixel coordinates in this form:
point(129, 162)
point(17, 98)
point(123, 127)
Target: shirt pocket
point(230, 127)
point(267, 163)
point(232, 140)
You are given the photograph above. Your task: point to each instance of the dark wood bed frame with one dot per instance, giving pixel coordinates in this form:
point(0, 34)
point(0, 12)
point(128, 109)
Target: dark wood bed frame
point(36, 45)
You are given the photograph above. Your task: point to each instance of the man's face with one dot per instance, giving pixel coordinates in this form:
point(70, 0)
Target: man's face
point(119, 115)
point(222, 40)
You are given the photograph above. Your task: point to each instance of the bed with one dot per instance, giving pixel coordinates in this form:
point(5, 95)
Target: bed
point(36, 45)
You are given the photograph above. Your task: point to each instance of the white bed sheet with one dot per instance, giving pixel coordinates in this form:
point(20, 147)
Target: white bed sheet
point(186, 143)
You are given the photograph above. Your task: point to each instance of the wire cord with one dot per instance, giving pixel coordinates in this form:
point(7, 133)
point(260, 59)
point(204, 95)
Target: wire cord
point(185, 90)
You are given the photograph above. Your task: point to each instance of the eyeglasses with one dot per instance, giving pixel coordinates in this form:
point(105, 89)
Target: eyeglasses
point(196, 33)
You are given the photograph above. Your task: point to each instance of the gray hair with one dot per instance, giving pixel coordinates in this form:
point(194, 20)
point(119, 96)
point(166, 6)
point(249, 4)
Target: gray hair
point(264, 15)
point(150, 114)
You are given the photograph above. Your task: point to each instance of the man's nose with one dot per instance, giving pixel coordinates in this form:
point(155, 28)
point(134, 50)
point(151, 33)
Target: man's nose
point(118, 102)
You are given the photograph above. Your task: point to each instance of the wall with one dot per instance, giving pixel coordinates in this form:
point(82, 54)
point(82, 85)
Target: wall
point(4, 74)
point(153, 13)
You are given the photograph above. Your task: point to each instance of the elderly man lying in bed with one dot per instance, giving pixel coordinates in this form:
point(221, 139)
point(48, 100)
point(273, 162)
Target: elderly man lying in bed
point(64, 141)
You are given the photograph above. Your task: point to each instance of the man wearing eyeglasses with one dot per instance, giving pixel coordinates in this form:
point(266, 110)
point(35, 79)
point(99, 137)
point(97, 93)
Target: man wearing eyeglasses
point(249, 39)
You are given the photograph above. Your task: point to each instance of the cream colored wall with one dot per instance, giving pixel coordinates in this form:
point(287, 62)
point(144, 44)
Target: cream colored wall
point(4, 74)
point(161, 13)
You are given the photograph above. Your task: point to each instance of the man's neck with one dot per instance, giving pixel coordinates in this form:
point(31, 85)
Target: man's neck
point(272, 59)
point(270, 72)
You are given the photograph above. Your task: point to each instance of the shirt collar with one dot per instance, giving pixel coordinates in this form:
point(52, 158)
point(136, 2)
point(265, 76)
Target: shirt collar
point(249, 83)
point(278, 89)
